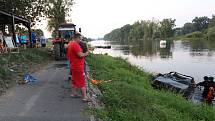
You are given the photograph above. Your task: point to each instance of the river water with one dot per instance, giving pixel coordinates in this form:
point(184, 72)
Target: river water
point(195, 58)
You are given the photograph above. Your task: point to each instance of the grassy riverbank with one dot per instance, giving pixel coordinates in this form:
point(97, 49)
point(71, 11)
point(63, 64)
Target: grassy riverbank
point(129, 97)
point(14, 65)
point(192, 36)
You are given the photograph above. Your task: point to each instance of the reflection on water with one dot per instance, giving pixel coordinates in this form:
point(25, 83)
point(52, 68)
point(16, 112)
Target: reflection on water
point(195, 58)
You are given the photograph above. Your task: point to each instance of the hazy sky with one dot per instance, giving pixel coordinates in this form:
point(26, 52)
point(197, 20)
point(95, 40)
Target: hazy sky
point(98, 17)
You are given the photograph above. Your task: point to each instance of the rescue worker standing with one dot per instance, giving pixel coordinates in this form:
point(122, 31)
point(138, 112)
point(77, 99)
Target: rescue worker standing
point(210, 95)
point(209, 86)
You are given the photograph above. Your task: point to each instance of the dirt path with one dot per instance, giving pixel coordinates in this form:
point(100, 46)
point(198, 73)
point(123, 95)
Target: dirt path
point(46, 100)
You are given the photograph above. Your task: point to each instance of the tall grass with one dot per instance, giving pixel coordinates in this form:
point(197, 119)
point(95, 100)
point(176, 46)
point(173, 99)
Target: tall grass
point(130, 97)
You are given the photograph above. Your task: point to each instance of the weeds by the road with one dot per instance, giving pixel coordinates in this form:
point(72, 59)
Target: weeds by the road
point(130, 97)
point(14, 65)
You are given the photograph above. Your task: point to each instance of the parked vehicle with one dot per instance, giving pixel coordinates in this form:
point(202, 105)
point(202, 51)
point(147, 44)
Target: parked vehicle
point(65, 33)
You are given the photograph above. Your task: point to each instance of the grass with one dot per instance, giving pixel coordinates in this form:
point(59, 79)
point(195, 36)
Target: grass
point(14, 65)
point(130, 97)
point(191, 36)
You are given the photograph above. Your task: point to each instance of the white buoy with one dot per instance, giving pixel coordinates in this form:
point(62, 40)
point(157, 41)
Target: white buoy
point(162, 42)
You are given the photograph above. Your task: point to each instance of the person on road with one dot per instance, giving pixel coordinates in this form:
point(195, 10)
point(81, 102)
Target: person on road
point(43, 41)
point(83, 46)
point(77, 67)
point(23, 40)
point(17, 39)
point(33, 37)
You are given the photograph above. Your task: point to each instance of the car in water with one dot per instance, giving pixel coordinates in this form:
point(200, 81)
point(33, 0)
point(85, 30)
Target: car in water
point(175, 82)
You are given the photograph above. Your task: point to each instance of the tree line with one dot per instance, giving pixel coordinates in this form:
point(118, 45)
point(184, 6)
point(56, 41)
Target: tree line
point(55, 11)
point(199, 27)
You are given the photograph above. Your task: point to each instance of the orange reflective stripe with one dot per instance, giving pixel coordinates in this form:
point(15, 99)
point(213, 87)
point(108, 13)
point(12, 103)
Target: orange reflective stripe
point(210, 92)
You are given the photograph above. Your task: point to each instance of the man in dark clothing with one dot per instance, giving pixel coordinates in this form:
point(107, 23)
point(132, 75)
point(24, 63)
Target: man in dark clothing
point(207, 83)
point(210, 95)
point(33, 37)
point(83, 46)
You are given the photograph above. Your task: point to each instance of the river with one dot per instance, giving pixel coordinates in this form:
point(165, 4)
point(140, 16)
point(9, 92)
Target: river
point(195, 58)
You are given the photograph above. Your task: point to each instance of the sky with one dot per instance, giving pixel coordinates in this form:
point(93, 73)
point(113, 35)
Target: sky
point(98, 17)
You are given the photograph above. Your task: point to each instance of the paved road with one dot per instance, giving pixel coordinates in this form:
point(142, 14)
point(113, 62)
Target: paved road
point(47, 100)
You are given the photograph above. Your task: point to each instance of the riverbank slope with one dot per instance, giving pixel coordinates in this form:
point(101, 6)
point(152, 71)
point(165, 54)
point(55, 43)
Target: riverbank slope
point(130, 97)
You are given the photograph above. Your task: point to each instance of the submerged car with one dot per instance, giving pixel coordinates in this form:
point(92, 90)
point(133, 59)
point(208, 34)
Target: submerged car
point(175, 82)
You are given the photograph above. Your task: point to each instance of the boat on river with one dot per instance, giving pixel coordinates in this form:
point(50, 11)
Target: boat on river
point(103, 46)
point(162, 42)
point(175, 82)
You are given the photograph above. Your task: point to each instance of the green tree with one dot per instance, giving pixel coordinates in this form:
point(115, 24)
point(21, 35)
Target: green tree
point(137, 31)
point(211, 33)
point(188, 28)
point(57, 12)
point(127, 32)
point(30, 9)
point(21, 30)
point(113, 35)
point(166, 28)
point(150, 29)
point(212, 21)
point(124, 32)
point(178, 31)
point(200, 23)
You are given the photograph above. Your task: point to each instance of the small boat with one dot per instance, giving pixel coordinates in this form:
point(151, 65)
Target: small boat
point(162, 42)
point(175, 82)
point(104, 47)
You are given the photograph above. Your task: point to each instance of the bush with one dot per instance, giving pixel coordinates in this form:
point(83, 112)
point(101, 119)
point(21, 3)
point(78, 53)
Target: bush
point(196, 34)
point(211, 33)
